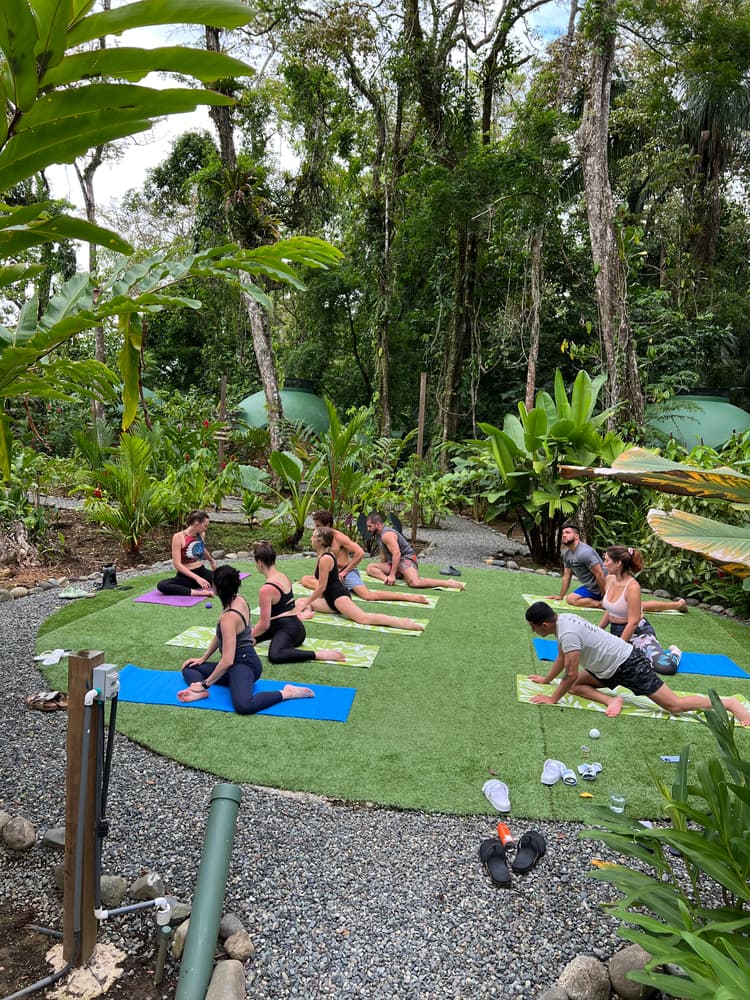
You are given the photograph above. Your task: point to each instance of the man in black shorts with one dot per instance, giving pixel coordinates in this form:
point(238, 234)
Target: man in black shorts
point(591, 658)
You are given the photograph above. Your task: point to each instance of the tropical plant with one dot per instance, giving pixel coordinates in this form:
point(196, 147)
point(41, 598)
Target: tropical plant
point(726, 544)
point(338, 447)
point(529, 449)
point(130, 501)
point(301, 490)
point(692, 918)
point(94, 443)
point(253, 483)
point(59, 102)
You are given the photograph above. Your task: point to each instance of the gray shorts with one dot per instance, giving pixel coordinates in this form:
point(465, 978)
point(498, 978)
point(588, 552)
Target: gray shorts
point(636, 674)
point(353, 579)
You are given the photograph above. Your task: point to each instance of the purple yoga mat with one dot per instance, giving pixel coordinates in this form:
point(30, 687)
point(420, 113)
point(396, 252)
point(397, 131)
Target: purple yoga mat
point(154, 597)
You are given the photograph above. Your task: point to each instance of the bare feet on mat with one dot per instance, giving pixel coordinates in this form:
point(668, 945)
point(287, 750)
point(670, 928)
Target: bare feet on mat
point(187, 694)
point(294, 691)
point(330, 654)
point(614, 708)
point(741, 714)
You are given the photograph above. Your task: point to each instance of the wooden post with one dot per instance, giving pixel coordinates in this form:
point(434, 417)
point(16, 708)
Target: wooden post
point(222, 417)
point(420, 452)
point(80, 666)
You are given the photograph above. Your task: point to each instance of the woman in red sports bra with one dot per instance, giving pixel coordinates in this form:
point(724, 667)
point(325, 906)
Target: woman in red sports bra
point(189, 553)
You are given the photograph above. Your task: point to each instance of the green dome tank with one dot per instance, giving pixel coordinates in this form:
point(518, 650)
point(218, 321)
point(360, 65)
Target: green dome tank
point(299, 401)
point(697, 418)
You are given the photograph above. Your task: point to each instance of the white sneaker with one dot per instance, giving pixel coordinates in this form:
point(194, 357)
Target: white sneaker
point(676, 652)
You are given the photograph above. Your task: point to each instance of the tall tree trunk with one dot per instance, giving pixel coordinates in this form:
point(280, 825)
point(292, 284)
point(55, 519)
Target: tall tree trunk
point(459, 334)
point(259, 320)
point(537, 277)
point(610, 280)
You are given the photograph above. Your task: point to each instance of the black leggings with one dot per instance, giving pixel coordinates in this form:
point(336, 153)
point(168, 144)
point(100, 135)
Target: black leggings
point(240, 679)
point(181, 585)
point(286, 633)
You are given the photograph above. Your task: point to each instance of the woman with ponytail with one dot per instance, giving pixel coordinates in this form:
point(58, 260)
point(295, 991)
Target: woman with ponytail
point(623, 610)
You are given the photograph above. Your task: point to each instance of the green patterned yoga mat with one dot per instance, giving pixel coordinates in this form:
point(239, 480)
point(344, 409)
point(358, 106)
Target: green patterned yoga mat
point(634, 705)
point(339, 621)
point(575, 610)
point(356, 654)
point(299, 591)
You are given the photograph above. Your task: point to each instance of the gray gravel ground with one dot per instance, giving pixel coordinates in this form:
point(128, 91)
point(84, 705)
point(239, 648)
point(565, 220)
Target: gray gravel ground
point(344, 901)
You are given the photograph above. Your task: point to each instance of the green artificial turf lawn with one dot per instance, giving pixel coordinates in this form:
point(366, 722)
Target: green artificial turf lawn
point(429, 718)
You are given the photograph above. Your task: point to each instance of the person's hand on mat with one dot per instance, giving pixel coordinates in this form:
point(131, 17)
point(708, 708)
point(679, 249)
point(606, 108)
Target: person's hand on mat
point(204, 584)
point(195, 692)
point(538, 679)
point(543, 699)
point(554, 597)
point(389, 580)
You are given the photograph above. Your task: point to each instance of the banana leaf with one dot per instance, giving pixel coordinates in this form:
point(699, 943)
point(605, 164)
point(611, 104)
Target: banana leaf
point(726, 544)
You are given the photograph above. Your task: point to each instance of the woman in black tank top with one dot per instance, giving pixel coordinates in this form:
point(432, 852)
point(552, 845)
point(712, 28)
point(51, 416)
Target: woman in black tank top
point(331, 596)
point(278, 619)
point(239, 667)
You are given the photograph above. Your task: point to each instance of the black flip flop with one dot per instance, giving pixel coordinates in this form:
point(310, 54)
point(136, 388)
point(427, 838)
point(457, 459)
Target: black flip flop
point(531, 847)
point(493, 857)
point(450, 571)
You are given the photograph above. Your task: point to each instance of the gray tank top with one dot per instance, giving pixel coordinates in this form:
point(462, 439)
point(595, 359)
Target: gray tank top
point(403, 546)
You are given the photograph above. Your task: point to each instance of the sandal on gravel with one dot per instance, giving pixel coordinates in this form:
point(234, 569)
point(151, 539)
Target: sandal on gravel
point(493, 857)
point(450, 571)
point(47, 701)
point(531, 847)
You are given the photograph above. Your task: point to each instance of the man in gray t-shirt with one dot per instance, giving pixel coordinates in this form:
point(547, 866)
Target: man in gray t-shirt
point(591, 658)
point(585, 564)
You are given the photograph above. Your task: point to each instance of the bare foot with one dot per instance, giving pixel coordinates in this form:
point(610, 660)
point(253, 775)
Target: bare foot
point(305, 615)
point(294, 691)
point(614, 708)
point(330, 654)
point(420, 599)
point(682, 605)
point(456, 585)
point(189, 695)
point(739, 711)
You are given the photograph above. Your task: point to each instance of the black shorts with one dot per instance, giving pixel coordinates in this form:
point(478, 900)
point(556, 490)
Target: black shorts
point(636, 674)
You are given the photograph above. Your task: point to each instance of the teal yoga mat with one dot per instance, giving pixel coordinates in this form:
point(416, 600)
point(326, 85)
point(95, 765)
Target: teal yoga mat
point(160, 687)
point(708, 664)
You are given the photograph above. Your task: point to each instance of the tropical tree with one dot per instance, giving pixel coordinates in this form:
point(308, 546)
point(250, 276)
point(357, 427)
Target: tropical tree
point(61, 100)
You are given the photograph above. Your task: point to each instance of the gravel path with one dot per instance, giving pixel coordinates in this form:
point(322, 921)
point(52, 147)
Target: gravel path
point(344, 901)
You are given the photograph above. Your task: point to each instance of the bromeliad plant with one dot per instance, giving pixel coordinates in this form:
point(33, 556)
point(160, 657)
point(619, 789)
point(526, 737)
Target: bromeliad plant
point(693, 914)
point(529, 450)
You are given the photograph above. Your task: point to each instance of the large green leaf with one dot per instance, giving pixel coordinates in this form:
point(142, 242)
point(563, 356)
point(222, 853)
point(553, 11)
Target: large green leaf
point(728, 544)
point(219, 13)
point(52, 18)
point(18, 35)
point(644, 468)
point(16, 238)
point(134, 64)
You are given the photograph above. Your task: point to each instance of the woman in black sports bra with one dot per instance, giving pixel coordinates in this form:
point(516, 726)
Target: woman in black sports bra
point(278, 619)
point(332, 597)
point(239, 667)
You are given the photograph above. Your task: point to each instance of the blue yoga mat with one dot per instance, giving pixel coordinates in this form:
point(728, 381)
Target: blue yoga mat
point(708, 664)
point(160, 687)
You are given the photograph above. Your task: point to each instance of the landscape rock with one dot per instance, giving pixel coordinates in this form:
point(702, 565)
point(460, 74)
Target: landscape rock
point(556, 993)
point(17, 592)
point(4, 818)
point(5, 596)
point(19, 834)
point(148, 886)
point(230, 924)
point(227, 981)
point(54, 838)
point(179, 911)
point(113, 889)
point(630, 959)
point(178, 939)
point(585, 978)
point(239, 946)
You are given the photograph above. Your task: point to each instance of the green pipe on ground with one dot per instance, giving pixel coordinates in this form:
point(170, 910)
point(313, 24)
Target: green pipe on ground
point(208, 900)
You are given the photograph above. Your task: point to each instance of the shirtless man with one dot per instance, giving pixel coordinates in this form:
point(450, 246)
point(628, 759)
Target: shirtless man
point(348, 556)
point(401, 559)
point(590, 658)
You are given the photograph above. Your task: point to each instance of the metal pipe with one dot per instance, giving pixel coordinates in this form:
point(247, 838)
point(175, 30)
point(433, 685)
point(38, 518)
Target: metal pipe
point(205, 916)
